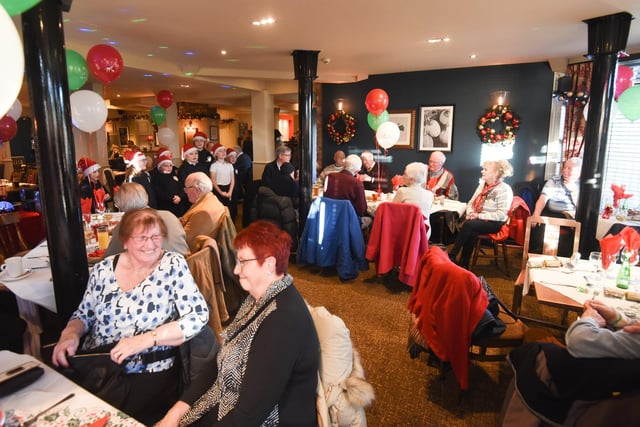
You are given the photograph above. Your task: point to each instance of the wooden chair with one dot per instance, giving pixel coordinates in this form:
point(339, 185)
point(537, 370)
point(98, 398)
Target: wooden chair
point(11, 240)
point(549, 232)
point(516, 220)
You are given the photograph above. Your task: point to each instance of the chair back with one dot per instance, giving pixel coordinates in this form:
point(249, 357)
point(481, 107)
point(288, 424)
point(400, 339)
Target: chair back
point(515, 225)
point(549, 233)
point(205, 267)
point(398, 239)
point(11, 239)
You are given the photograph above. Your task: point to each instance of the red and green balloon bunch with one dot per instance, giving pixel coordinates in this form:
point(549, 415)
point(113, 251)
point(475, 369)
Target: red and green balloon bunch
point(158, 113)
point(387, 133)
point(626, 94)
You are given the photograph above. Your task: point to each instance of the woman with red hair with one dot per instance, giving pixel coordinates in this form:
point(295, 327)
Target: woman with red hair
point(268, 363)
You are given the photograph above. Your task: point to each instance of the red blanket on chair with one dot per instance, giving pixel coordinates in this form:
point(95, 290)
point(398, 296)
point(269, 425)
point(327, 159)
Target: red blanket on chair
point(448, 302)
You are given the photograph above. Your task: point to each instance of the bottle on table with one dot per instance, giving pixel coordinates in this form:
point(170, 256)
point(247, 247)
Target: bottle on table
point(624, 274)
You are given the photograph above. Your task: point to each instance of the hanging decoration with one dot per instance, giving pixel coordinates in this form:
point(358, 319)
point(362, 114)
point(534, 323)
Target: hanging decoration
point(504, 116)
point(347, 121)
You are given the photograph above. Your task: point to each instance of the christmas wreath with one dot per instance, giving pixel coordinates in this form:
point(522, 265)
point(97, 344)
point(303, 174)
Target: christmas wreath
point(506, 117)
point(349, 124)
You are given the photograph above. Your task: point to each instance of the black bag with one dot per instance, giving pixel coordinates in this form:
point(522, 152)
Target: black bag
point(94, 371)
point(490, 324)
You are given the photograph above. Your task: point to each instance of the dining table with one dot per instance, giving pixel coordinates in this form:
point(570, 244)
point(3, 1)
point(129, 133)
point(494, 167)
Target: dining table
point(569, 288)
point(77, 406)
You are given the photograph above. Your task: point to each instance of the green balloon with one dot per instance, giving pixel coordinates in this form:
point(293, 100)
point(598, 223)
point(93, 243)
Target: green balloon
point(16, 7)
point(77, 69)
point(376, 121)
point(158, 115)
point(629, 103)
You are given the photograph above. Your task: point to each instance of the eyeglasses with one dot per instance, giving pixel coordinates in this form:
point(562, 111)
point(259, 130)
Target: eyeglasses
point(143, 239)
point(242, 262)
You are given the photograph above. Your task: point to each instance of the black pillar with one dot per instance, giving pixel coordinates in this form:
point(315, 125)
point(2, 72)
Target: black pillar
point(49, 95)
point(305, 64)
point(607, 37)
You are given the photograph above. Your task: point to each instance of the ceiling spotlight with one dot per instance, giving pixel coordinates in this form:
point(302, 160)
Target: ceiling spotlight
point(263, 22)
point(223, 52)
point(326, 60)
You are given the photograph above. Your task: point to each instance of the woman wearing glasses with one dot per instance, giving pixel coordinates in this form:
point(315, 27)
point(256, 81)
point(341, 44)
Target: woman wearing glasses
point(268, 362)
point(146, 302)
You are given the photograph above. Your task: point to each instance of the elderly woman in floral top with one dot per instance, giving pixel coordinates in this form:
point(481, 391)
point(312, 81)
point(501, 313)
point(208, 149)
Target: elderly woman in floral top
point(146, 301)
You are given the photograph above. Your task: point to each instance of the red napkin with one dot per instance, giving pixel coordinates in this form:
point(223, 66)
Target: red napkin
point(631, 242)
point(85, 205)
point(99, 194)
point(397, 181)
point(619, 193)
point(610, 246)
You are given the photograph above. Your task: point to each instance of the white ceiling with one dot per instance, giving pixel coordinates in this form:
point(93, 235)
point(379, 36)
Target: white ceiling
point(356, 38)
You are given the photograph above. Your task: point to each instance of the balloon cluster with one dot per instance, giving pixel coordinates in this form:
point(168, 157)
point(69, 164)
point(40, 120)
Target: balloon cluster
point(626, 94)
point(387, 133)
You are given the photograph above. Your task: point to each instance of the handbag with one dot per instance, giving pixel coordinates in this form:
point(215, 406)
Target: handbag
point(94, 371)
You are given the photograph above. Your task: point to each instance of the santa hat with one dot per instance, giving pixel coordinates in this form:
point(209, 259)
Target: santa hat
point(131, 156)
point(188, 148)
point(231, 152)
point(200, 135)
point(164, 156)
point(87, 166)
point(217, 148)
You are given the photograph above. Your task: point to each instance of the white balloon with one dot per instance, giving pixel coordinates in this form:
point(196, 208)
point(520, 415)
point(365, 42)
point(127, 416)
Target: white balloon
point(166, 136)
point(15, 111)
point(388, 134)
point(88, 110)
point(12, 69)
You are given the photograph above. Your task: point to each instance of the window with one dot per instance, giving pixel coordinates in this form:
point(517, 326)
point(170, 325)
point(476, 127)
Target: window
point(622, 160)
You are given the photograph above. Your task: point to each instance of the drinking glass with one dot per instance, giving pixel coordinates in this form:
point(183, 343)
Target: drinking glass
point(595, 259)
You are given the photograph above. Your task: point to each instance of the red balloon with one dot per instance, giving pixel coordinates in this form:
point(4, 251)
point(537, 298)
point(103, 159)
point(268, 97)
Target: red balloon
point(165, 98)
point(377, 101)
point(105, 63)
point(624, 80)
point(8, 128)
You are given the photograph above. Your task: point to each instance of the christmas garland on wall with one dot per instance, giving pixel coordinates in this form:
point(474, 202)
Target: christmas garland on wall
point(509, 121)
point(349, 123)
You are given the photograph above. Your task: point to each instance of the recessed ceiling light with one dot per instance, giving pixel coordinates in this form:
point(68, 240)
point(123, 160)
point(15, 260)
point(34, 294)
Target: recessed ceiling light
point(185, 86)
point(223, 52)
point(149, 54)
point(263, 22)
point(438, 40)
point(190, 53)
point(118, 96)
point(473, 56)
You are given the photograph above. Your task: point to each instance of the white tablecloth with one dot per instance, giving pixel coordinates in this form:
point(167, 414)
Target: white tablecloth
point(83, 407)
point(573, 284)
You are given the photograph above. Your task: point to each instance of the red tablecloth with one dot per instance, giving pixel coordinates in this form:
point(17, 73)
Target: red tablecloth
point(32, 227)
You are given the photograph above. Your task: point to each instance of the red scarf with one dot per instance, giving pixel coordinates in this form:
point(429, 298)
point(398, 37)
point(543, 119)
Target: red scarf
point(478, 203)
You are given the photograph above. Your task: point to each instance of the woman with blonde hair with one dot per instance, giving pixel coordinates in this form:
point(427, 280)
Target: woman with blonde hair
point(486, 211)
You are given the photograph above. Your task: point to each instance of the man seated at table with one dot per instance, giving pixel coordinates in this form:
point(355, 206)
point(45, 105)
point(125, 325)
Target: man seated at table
point(345, 186)
point(374, 173)
point(132, 196)
point(559, 196)
point(336, 166)
point(440, 181)
point(206, 210)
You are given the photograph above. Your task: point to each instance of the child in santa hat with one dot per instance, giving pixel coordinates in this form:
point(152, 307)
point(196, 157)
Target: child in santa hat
point(90, 181)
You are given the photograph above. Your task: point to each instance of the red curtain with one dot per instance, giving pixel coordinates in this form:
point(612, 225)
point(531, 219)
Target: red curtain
point(574, 124)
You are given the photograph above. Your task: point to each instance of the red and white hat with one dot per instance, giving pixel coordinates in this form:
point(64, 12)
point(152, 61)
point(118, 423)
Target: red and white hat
point(231, 152)
point(133, 155)
point(188, 148)
point(87, 166)
point(200, 135)
point(217, 148)
point(164, 156)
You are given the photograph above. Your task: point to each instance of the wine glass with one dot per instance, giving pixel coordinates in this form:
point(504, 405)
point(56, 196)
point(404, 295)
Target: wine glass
point(595, 259)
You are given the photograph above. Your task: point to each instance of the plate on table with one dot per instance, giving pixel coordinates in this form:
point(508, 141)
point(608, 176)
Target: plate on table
point(4, 276)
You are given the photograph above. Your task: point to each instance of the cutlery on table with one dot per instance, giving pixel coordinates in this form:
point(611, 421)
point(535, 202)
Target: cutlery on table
point(32, 420)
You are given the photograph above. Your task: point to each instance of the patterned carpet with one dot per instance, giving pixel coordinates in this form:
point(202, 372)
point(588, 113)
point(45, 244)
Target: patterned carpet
point(408, 391)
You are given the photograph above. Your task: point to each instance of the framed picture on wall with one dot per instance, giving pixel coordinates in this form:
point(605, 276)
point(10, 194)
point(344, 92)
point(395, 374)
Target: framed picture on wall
point(436, 128)
point(406, 121)
point(123, 136)
point(213, 133)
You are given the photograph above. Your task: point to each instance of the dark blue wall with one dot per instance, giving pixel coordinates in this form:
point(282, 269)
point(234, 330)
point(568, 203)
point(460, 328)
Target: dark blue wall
point(529, 85)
